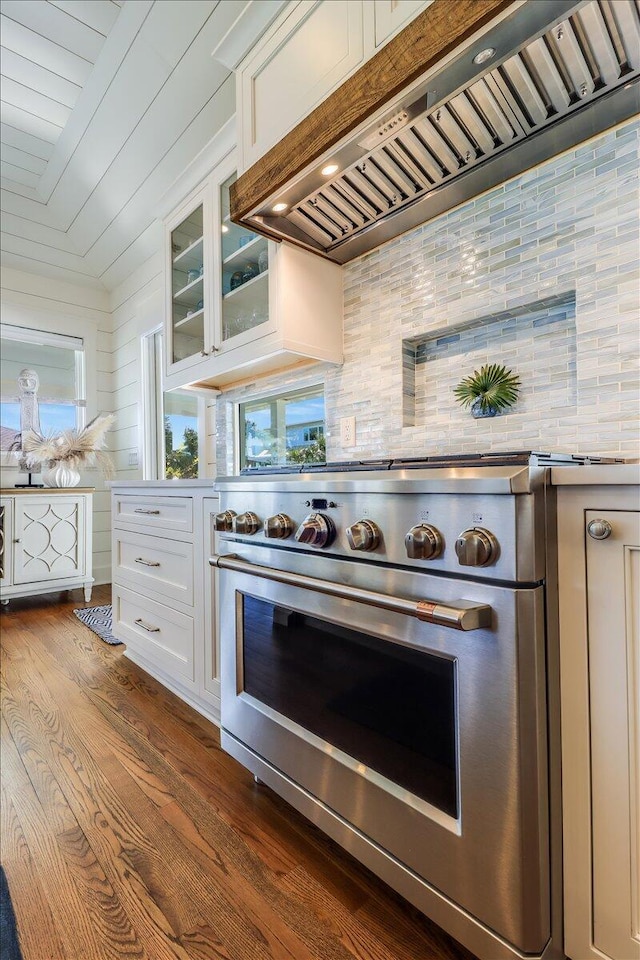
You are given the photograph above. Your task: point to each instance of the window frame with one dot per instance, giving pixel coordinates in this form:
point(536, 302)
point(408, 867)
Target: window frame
point(152, 348)
point(39, 325)
point(268, 397)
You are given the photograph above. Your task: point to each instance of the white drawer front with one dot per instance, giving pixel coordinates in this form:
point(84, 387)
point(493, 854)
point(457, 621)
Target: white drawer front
point(161, 635)
point(154, 513)
point(154, 563)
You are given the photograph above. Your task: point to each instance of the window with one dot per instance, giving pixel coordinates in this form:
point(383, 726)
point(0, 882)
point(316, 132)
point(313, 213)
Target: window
point(287, 428)
point(59, 362)
point(171, 420)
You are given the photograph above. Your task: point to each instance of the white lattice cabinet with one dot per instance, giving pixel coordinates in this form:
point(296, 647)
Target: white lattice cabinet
point(46, 541)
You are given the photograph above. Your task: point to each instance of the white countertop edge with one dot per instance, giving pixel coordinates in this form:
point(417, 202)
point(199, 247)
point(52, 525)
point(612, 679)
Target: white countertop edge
point(596, 474)
point(206, 483)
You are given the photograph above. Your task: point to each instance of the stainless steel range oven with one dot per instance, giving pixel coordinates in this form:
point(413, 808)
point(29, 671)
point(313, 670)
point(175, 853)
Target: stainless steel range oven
point(389, 668)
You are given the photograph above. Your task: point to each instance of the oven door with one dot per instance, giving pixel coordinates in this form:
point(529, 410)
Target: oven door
point(429, 740)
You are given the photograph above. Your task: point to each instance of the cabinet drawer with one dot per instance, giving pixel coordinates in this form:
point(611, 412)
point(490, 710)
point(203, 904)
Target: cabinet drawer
point(154, 513)
point(154, 563)
point(162, 636)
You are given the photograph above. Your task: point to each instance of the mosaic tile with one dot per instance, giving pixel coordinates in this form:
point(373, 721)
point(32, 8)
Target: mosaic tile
point(567, 229)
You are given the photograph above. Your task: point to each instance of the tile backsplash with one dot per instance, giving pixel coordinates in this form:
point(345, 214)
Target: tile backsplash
point(541, 273)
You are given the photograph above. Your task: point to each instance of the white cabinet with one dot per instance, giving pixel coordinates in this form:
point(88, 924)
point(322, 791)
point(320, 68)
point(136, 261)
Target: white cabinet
point(46, 541)
point(392, 15)
point(263, 306)
point(188, 280)
point(600, 674)
point(163, 592)
point(211, 662)
point(312, 48)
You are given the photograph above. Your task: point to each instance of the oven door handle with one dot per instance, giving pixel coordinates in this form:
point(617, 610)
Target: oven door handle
point(459, 614)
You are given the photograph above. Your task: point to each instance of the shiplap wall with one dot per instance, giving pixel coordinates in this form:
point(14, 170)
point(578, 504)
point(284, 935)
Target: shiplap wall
point(52, 305)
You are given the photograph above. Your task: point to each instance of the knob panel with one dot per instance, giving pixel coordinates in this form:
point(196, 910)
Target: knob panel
point(246, 523)
point(316, 530)
point(423, 542)
point(278, 527)
point(363, 535)
point(476, 548)
point(224, 521)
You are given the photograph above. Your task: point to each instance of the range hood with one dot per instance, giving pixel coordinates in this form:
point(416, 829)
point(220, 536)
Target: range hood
point(546, 76)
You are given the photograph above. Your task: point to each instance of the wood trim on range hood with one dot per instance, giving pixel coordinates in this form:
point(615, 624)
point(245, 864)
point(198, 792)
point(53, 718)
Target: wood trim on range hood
point(433, 34)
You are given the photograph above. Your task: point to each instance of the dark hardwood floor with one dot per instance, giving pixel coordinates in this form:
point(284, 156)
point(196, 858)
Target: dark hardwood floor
point(128, 833)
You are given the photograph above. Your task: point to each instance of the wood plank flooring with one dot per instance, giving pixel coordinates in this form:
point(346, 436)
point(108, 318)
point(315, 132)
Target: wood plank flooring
point(128, 833)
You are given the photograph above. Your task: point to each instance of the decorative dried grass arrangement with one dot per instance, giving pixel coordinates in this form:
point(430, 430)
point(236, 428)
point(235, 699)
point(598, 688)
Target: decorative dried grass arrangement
point(74, 448)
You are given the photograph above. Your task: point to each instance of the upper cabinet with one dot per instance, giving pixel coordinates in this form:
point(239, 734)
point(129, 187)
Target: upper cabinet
point(242, 269)
point(237, 304)
point(320, 43)
point(188, 280)
point(392, 15)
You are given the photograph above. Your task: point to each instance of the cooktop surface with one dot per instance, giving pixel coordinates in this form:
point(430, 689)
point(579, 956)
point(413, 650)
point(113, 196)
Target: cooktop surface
point(497, 458)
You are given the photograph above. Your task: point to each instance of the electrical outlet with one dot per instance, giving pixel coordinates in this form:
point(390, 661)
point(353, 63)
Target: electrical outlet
point(348, 431)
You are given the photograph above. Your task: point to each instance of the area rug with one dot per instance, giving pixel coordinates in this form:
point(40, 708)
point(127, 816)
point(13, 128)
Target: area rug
point(9, 943)
point(98, 619)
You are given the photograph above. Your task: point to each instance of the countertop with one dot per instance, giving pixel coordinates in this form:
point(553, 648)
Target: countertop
point(12, 491)
point(162, 484)
point(605, 474)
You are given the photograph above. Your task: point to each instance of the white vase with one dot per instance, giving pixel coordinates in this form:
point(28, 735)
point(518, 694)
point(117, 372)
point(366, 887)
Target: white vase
point(60, 474)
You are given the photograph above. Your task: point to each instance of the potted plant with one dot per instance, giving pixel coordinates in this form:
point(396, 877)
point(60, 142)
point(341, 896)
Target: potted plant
point(66, 452)
point(489, 390)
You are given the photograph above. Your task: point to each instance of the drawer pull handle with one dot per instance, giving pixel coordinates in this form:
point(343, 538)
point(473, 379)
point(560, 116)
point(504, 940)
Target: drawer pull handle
point(147, 563)
point(145, 626)
point(155, 513)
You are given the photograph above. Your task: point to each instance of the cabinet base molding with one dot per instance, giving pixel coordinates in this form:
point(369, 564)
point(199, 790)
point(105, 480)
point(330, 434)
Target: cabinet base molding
point(37, 589)
point(208, 711)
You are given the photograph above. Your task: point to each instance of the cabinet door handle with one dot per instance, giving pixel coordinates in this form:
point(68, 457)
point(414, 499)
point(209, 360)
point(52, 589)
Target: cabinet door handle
point(154, 513)
point(145, 626)
point(147, 563)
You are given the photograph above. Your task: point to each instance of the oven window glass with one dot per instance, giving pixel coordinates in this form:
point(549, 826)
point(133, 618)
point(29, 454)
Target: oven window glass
point(387, 706)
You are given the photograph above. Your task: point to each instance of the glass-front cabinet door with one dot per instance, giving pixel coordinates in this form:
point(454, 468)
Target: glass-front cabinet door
point(190, 324)
point(244, 277)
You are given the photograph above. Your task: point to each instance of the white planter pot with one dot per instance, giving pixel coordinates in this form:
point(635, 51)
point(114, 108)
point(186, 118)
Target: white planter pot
point(60, 475)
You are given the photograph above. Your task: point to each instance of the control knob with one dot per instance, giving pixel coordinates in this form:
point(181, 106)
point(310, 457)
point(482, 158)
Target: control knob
point(247, 523)
point(316, 530)
point(476, 547)
point(363, 535)
point(423, 542)
point(224, 521)
point(278, 527)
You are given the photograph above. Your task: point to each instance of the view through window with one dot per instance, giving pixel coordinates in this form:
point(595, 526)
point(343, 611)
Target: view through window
point(287, 428)
point(171, 420)
point(58, 361)
point(180, 435)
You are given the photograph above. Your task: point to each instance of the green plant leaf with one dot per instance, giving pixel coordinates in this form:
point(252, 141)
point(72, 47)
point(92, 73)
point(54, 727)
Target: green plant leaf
point(493, 385)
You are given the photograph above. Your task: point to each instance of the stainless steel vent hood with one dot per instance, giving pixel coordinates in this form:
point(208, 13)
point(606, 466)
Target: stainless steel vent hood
point(555, 73)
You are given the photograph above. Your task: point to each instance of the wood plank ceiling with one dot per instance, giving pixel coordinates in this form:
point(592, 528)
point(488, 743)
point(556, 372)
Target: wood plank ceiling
point(104, 104)
point(49, 48)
